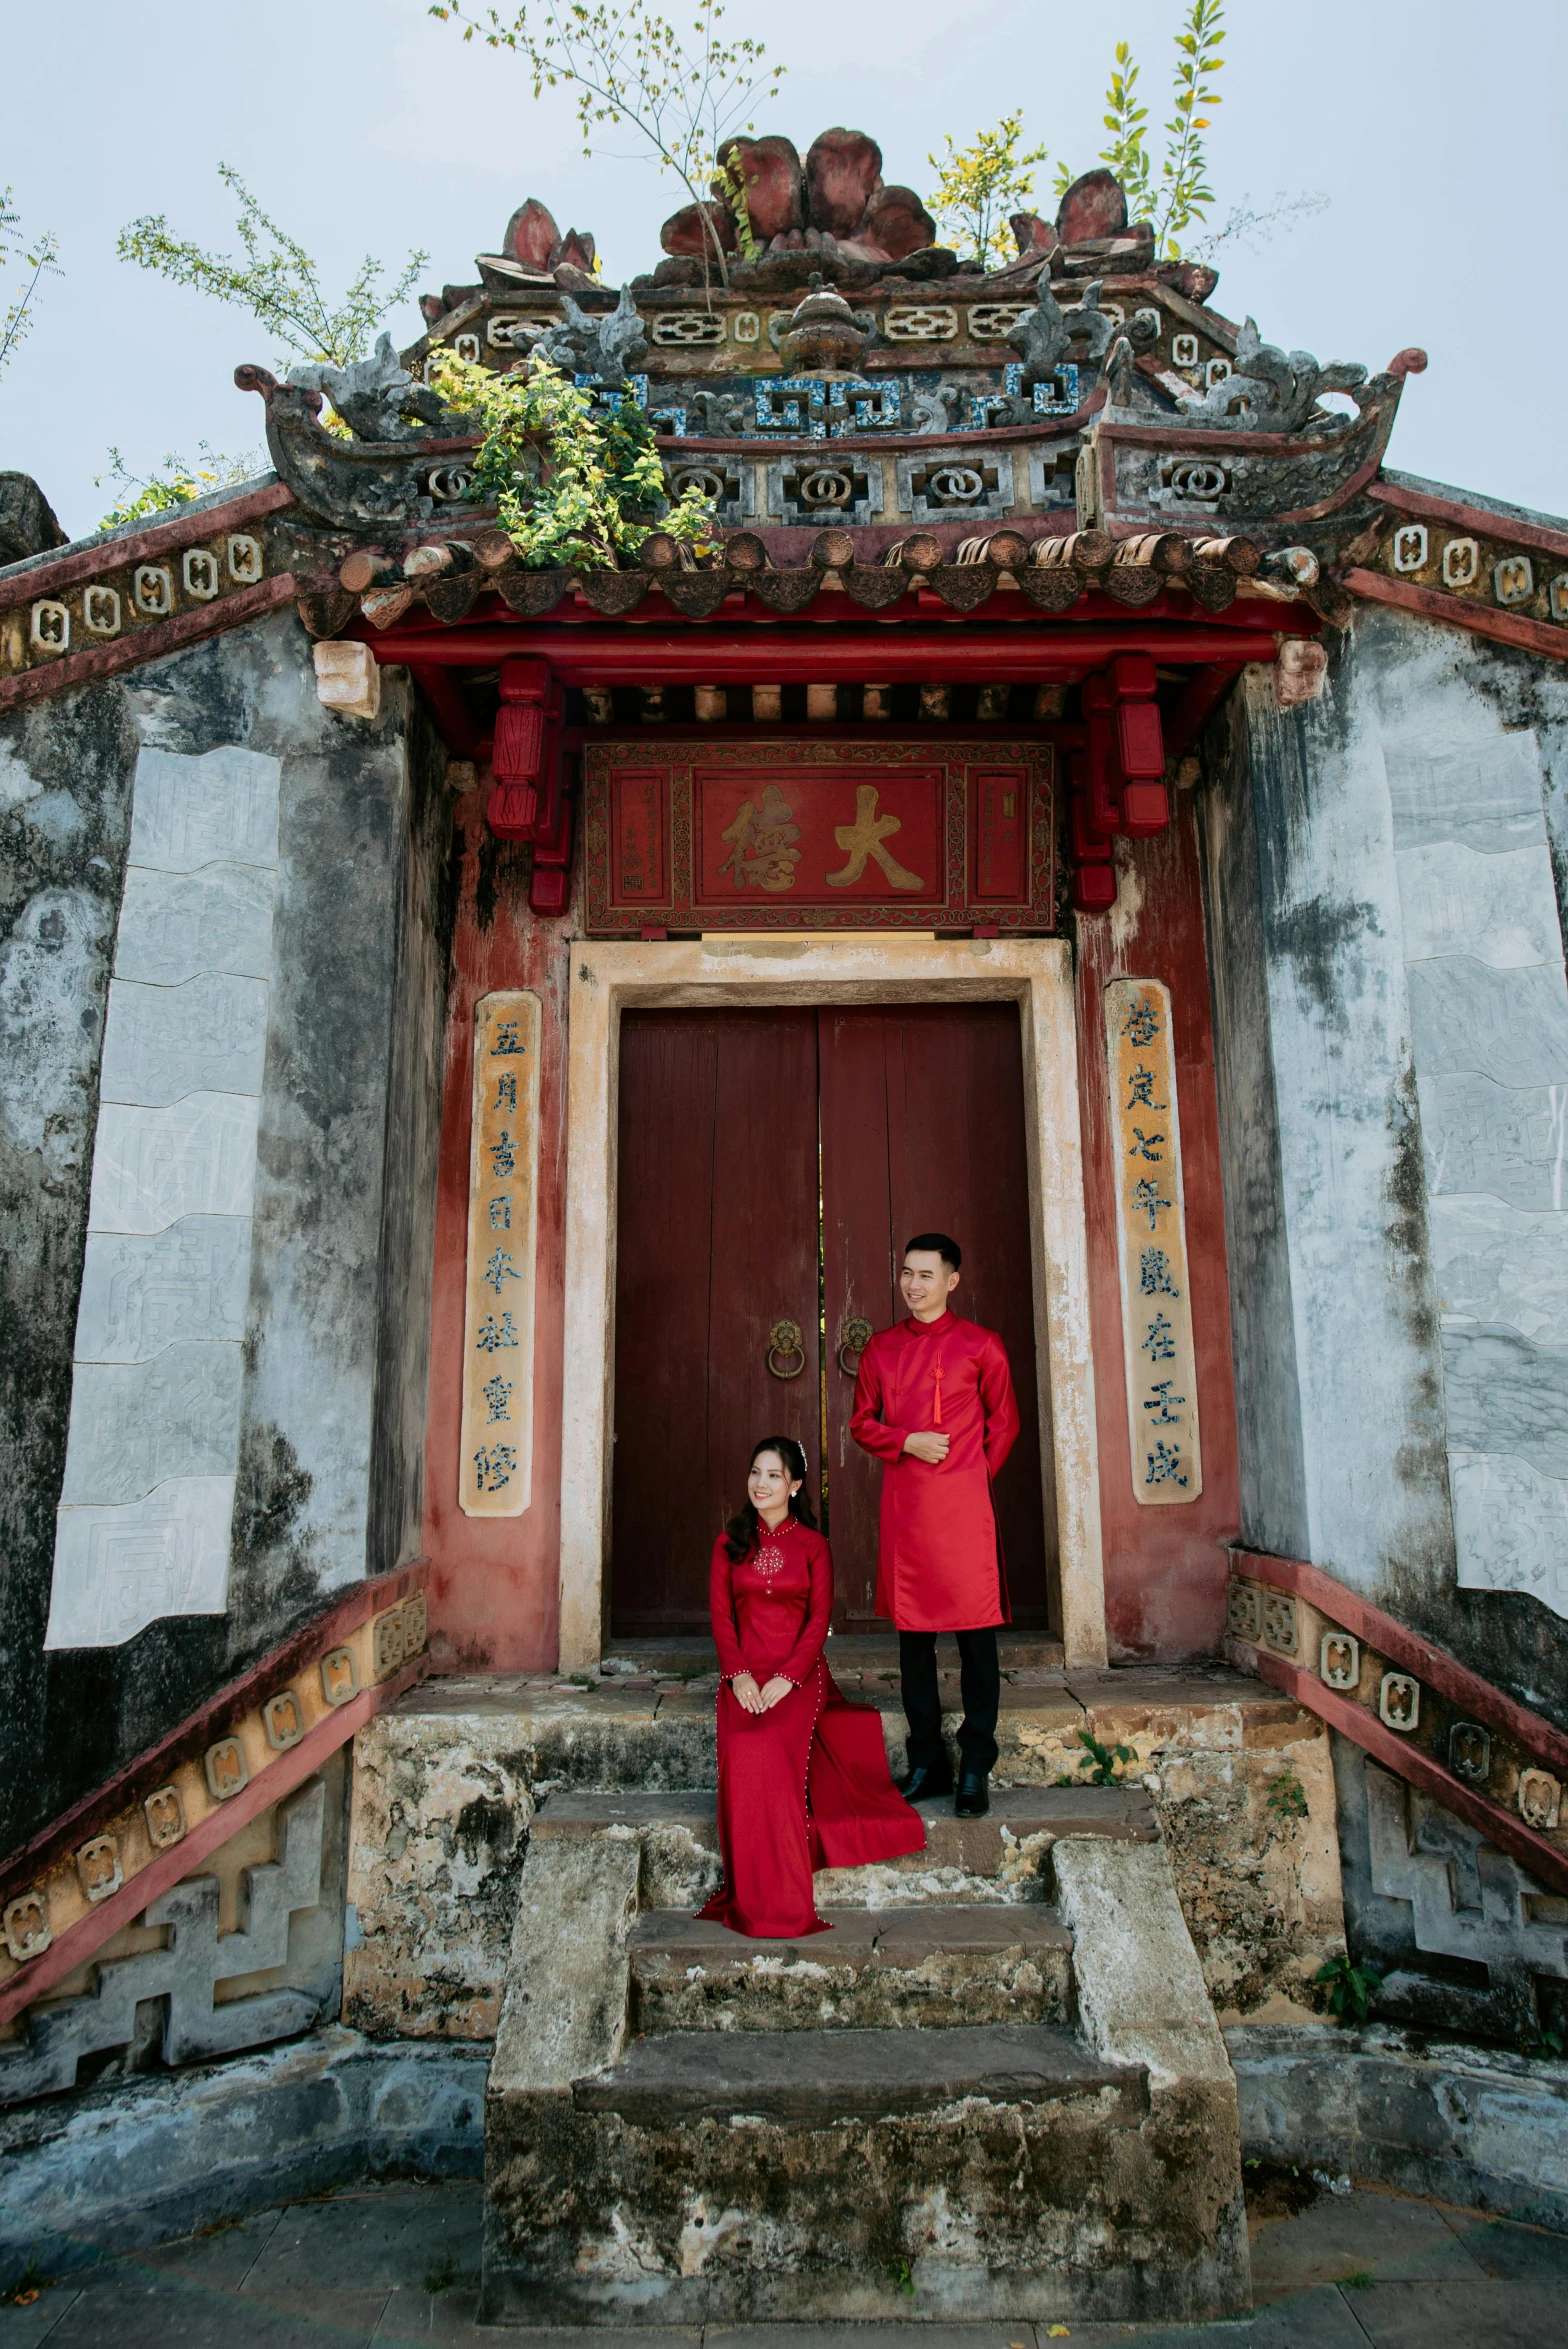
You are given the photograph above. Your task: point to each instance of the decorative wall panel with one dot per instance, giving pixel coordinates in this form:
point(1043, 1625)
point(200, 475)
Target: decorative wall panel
point(818, 835)
point(1151, 1226)
point(498, 1341)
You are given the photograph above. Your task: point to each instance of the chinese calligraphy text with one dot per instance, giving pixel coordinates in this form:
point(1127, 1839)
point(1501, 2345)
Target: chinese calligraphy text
point(1162, 1388)
point(496, 1457)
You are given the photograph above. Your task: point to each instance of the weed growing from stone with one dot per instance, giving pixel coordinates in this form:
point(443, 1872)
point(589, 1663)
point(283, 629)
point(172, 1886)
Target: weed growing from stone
point(1287, 1797)
point(1100, 1761)
point(1348, 1988)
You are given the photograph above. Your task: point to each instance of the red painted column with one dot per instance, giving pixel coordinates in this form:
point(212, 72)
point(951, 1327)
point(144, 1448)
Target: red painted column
point(494, 1581)
point(1165, 1572)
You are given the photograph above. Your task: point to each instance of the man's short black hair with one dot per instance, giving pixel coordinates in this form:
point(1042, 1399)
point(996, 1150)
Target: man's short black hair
point(937, 1244)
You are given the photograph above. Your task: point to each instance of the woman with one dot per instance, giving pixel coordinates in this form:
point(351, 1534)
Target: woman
point(803, 1777)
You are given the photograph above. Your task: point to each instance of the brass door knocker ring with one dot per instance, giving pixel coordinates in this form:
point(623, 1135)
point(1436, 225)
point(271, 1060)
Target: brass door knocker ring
point(854, 1337)
point(784, 1338)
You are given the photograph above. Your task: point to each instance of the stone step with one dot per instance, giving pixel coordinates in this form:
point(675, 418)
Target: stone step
point(1001, 1855)
point(847, 1651)
point(903, 1968)
point(827, 2078)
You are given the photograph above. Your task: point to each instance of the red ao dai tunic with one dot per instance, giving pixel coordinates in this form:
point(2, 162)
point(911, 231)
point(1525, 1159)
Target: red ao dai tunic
point(805, 1785)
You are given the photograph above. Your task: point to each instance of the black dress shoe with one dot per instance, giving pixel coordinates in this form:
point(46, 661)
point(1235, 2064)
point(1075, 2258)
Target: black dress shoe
point(974, 1797)
point(925, 1781)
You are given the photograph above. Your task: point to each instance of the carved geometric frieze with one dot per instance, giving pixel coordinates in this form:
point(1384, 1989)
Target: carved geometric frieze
point(1470, 1752)
point(920, 322)
point(246, 561)
point(1461, 563)
point(948, 486)
point(1399, 1701)
point(792, 403)
point(1513, 580)
point(993, 322)
point(827, 489)
point(188, 1972)
point(1557, 597)
point(1191, 484)
point(1244, 1610)
point(688, 329)
point(725, 484)
point(98, 1868)
point(339, 1676)
point(1184, 350)
point(1409, 546)
point(152, 590)
point(283, 1720)
point(1279, 1622)
point(1540, 1800)
point(1339, 1659)
point(51, 627)
point(199, 574)
point(101, 611)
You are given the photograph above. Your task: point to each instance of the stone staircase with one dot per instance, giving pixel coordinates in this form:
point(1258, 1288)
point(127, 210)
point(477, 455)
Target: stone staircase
point(995, 2090)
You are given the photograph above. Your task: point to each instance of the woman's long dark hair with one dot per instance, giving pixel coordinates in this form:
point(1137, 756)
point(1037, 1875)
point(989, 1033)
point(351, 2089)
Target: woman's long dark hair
point(741, 1530)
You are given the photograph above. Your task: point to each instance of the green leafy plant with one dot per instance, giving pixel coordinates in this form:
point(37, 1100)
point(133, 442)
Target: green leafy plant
point(277, 282)
point(630, 68)
point(1100, 1762)
point(570, 482)
point(1178, 193)
point(1348, 1988)
point(25, 262)
point(1287, 1797)
point(903, 2275)
point(174, 484)
point(980, 185)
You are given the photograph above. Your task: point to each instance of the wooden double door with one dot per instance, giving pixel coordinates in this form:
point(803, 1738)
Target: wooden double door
point(772, 1165)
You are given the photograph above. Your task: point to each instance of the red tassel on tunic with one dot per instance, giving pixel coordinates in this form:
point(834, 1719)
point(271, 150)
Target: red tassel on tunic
point(805, 1785)
point(939, 1562)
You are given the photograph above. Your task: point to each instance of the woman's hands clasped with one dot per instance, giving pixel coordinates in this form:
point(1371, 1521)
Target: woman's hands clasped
point(753, 1699)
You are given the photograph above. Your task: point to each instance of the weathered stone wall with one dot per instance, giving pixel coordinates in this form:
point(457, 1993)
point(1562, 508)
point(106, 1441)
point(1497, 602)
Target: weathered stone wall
point(1393, 1043)
point(65, 805)
point(331, 1046)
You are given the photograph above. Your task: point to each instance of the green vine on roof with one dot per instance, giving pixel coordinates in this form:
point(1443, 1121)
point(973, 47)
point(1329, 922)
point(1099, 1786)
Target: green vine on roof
point(571, 483)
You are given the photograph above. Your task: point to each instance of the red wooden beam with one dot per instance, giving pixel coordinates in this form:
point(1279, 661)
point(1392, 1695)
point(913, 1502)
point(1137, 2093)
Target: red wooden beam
point(1537, 636)
point(101, 556)
point(898, 654)
point(147, 644)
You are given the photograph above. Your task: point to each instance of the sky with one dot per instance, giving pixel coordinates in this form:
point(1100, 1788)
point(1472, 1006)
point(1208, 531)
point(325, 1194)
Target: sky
point(1436, 131)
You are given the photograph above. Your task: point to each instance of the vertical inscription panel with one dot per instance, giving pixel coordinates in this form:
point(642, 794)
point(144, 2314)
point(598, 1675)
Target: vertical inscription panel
point(496, 1473)
point(1151, 1232)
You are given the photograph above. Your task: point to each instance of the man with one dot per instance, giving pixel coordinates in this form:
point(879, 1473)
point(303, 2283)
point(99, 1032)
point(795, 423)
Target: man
point(934, 1403)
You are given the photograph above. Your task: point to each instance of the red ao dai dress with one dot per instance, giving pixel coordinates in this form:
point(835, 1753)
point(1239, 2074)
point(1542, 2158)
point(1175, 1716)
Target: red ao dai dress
point(805, 1785)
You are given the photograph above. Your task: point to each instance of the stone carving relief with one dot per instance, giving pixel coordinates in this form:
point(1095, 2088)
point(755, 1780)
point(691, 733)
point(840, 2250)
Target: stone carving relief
point(1270, 390)
point(195, 2025)
point(1467, 1899)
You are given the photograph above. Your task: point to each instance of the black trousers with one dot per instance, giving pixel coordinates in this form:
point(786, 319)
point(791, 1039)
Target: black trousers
point(980, 1680)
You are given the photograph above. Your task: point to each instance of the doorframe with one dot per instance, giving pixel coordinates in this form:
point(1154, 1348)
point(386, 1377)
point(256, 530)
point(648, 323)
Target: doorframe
point(609, 977)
